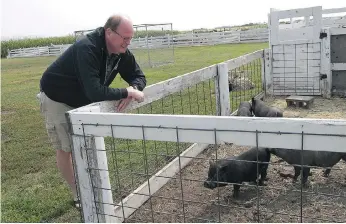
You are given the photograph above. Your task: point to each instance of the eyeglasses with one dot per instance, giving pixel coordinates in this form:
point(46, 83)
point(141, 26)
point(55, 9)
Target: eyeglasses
point(126, 39)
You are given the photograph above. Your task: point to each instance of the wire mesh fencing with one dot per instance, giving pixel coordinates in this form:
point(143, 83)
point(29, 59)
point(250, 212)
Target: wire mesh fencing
point(296, 69)
point(245, 82)
point(197, 99)
point(297, 176)
point(138, 160)
point(210, 91)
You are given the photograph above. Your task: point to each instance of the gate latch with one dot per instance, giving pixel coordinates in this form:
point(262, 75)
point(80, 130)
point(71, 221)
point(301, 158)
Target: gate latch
point(323, 35)
point(323, 76)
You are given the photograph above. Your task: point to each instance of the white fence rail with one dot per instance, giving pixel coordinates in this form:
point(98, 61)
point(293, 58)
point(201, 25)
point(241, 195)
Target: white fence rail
point(188, 39)
point(38, 51)
point(330, 18)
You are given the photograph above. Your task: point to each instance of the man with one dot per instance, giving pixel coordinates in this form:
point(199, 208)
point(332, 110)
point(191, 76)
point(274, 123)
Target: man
point(82, 75)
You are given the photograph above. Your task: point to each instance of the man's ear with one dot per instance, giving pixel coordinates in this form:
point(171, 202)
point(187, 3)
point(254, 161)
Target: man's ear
point(108, 31)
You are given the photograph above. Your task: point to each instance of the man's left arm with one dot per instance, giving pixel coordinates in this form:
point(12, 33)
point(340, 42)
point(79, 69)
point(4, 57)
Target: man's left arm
point(131, 72)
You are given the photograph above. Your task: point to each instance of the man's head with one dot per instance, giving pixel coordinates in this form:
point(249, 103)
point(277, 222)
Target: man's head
point(118, 33)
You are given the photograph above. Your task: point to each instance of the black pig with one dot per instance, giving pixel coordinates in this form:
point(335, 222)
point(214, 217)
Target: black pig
point(310, 158)
point(233, 171)
point(244, 109)
point(261, 110)
point(327, 171)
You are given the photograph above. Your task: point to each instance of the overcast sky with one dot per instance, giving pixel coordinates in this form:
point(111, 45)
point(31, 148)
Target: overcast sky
point(21, 18)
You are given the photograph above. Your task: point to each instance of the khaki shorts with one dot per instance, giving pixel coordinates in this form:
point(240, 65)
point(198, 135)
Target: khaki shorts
point(56, 122)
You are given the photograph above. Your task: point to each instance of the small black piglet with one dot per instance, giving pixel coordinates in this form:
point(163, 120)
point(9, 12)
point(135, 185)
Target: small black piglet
point(231, 170)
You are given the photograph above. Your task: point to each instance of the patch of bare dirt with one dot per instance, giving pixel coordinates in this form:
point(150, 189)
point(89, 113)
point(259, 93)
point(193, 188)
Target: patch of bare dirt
point(334, 108)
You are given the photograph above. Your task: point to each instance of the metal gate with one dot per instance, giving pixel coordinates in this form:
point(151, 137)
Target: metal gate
point(307, 54)
point(338, 61)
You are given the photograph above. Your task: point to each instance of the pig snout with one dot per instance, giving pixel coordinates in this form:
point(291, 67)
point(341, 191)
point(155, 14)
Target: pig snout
point(209, 184)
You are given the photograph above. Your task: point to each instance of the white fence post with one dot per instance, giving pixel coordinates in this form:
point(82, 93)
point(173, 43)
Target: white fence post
point(83, 179)
point(91, 171)
point(222, 90)
point(268, 89)
point(263, 70)
point(326, 84)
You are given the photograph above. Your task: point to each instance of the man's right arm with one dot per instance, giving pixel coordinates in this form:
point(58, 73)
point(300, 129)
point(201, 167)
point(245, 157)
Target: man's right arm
point(88, 65)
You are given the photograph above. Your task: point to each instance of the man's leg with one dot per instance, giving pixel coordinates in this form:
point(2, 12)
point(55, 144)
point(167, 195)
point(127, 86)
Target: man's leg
point(64, 164)
point(58, 133)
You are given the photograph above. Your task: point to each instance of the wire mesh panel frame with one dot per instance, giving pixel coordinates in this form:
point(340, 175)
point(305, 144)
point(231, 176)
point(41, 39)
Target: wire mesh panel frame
point(83, 160)
point(325, 135)
point(296, 69)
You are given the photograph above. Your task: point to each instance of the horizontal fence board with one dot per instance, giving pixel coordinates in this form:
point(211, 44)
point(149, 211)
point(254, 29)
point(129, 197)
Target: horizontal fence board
point(296, 33)
point(162, 89)
point(292, 13)
point(338, 66)
point(243, 60)
point(337, 31)
point(333, 10)
point(339, 23)
point(319, 134)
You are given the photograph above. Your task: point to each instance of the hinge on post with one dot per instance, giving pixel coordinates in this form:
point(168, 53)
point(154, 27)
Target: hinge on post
point(323, 35)
point(323, 76)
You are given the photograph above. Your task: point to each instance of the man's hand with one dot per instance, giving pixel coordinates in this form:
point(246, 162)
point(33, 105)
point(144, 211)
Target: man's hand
point(135, 94)
point(132, 94)
point(124, 103)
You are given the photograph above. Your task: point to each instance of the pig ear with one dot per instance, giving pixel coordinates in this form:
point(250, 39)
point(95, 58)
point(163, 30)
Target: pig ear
point(211, 163)
point(222, 167)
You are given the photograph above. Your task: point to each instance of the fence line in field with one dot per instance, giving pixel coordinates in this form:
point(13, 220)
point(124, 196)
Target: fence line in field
point(167, 41)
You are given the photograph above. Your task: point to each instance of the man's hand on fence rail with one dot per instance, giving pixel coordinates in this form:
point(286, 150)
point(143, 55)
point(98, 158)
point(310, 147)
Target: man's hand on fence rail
point(124, 103)
point(132, 94)
point(135, 94)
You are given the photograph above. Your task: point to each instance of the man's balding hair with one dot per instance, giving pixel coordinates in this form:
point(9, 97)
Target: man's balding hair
point(114, 21)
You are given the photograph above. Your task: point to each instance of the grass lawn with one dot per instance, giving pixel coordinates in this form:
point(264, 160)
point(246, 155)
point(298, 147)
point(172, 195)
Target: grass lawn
point(32, 189)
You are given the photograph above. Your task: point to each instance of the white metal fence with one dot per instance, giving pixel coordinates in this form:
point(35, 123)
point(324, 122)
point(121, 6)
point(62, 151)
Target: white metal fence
point(51, 50)
point(188, 39)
